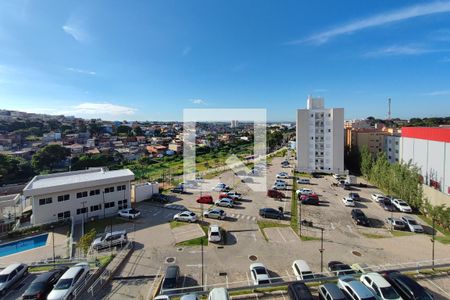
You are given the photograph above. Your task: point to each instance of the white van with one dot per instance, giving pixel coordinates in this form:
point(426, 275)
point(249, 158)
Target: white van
point(218, 294)
point(10, 275)
point(214, 234)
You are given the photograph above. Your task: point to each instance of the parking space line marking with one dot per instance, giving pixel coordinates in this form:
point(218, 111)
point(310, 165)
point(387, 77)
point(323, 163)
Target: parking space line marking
point(156, 213)
point(438, 287)
point(248, 280)
point(332, 226)
point(349, 228)
point(282, 295)
point(279, 232)
point(288, 275)
point(226, 279)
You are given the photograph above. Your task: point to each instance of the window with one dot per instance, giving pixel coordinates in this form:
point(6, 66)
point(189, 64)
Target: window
point(312, 115)
point(122, 204)
point(121, 187)
point(94, 192)
point(329, 130)
point(109, 190)
point(81, 210)
point(329, 115)
point(109, 204)
point(64, 215)
point(44, 201)
point(96, 207)
point(82, 194)
point(63, 198)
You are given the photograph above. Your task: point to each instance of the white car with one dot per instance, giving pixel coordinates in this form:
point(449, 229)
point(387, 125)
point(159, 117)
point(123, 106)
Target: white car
point(227, 202)
point(302, 270)
point(214, 234)
point(259, 274)
point(215, 213)
point(283, 175)
point(402, 205)
point(69, 281)
point(379, 286)
point(129, 213)
point(377, 197)
point(279, 181)
point(412, 224)
point(185, 216)
point(220, 187)
point(303, 181)
point(348, 201)
point(234, 195)
point(304, 192)
point(279, 186)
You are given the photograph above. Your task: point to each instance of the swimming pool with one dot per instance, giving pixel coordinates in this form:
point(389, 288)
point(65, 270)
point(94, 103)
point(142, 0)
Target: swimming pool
point(23, 244)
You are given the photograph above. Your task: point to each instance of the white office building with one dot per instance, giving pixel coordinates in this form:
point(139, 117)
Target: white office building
point(320, 138)
point(81, 195)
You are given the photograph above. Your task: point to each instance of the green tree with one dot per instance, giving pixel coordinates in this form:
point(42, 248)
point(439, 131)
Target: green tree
point(92, 160)
point(137, 131)
point(124, 130)
point(366, 162)
point(14, 169)
point(48, 157)
point(86, 240)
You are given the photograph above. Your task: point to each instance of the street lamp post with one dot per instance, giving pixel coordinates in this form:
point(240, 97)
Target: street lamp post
point(321, 249)
point(432, 244)
point(203, 287)
point(53, 245)
point(300, 216)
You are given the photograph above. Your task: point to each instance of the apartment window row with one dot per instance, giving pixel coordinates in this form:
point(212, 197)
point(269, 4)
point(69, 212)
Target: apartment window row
point(82, 194)
point(121, 187)
point(109, 190)
point(82, 210)
point(96, 207)
point(109, 204)
point(64, 215)
point(94, 192)
point(62, 198)
point(45, 201)
point(122, 204)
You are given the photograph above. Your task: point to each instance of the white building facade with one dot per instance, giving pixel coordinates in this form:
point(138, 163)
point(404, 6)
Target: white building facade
point(320, 138)
point(429, 150)
point(79, 195)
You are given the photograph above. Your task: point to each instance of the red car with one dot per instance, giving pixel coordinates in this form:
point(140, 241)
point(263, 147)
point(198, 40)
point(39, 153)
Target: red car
point(207, 199)
point(312, 196)
point(275, 194)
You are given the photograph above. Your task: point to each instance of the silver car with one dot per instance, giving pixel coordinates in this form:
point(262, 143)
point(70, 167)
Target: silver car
point(11, 275)
point(215, 213)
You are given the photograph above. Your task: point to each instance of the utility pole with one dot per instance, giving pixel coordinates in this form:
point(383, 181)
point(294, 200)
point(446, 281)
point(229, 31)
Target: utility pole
point(203, 276)
point(53, 245)
point(321, 249)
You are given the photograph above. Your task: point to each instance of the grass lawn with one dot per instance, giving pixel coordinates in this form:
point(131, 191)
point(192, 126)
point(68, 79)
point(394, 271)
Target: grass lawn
point(401, 233)
point(302, 175)
point(105, 260)
point(197, 241)
point(306, 238)
point(374, 235)
point(175, 224)
point(263, 224)
point(100, 224)
point(442, 239)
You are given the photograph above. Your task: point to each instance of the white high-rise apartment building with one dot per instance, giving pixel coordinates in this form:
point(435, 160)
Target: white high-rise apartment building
point(320, 138)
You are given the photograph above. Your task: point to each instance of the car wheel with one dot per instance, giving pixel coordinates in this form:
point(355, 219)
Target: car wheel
point(176, 219)
point(130, 217)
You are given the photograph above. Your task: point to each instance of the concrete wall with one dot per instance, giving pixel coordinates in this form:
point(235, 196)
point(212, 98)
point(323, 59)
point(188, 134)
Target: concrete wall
point(48, 213)
point(144, 191)
point(435, 197)
point(302, 139)
point(337, 133)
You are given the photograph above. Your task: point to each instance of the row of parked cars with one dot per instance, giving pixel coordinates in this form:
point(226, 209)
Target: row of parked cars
point(56, 284)
point(391, 204)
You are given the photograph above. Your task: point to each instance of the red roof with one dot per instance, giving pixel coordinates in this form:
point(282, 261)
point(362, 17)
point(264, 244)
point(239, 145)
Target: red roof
point(438, 134)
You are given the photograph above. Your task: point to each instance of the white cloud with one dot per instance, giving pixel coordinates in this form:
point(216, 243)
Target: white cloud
point(396, 50)
point(186, 51)
point(81, 71)
point(198, 101)
point(437, 93)
point(378, 20)
point(108, 109)
point(75, 28)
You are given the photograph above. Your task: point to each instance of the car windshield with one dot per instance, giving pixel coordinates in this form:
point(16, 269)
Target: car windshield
point(63, 284)
point(389, 293)
point(191, 214)
point(260, 270)
point(215, 233)
point(412, 222)
point(308, 275)
point(403, 204)
point(3, 278)
point(36, 287)
point(263, 281)
point(133, 211)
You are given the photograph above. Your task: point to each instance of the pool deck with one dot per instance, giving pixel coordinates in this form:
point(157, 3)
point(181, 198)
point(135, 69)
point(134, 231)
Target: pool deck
point(40, 253)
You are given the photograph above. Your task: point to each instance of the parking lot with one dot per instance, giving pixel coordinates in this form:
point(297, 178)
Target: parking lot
point(227, 264)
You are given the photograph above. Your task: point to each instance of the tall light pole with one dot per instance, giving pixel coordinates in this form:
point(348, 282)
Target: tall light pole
point(53, 245)
point(203, 287)
point(432, 244)
point(321, 249)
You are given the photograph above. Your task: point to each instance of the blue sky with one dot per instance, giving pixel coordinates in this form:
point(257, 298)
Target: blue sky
point(148, 60)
